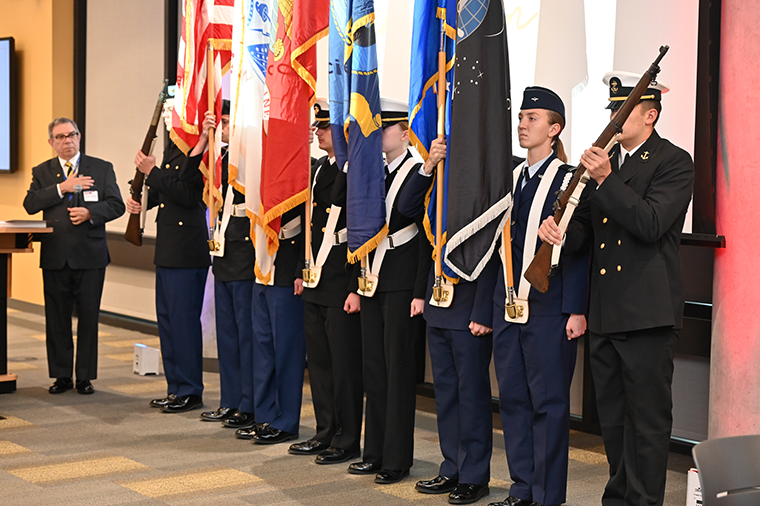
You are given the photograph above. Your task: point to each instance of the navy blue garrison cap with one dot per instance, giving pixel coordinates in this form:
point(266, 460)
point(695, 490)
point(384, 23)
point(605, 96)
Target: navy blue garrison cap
point(537, 97)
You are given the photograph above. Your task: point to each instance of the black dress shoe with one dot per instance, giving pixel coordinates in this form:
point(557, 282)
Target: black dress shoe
point(363, 468)
point(160, 403)
point(239, 420)
point(84, 387)
point(335, 456)
point(183, 404)
point(310, 447)
point(468, 493)
point(438, 485)
point(387, 476)
point(61, 385)
point(218, 415)
point(268, 435)
point(246, 433)
point(512, 501)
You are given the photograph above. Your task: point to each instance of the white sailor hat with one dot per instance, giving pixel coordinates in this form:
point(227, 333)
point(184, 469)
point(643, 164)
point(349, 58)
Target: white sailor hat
point(393, 111)
point(321, 113)
point(621, 84)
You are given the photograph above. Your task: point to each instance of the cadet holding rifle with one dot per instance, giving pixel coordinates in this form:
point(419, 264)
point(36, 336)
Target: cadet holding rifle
point(631, 214)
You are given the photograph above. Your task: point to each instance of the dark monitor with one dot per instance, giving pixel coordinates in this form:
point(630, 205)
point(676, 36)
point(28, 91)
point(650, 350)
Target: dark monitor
point(8, 106)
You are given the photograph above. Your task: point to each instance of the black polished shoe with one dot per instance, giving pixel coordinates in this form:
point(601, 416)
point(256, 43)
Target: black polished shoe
point(239, 420)
point(84, 387)
point(335, 456)
point(160, 403)
point(363, 468)
point(512, 501)
point(468, 493)
point(61, 385)
point(268, 435)
point(218, 415)
point(438, 485)
point(387, 476)
point(310, 447)
point(246, 433)
point(183, 404)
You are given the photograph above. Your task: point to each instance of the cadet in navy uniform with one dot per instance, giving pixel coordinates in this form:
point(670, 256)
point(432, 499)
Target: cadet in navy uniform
point(74, 256)
point(631, 215)
point(459, 339)
point(389, 332)
point(233, 291)
point(182, 260)
point(535, 360)
point(279, 350)
point(331, 319)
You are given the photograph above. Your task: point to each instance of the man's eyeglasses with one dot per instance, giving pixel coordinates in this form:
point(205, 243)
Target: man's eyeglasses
point(63, 137)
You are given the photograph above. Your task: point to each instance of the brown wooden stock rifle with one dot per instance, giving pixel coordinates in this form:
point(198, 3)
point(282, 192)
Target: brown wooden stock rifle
point(541, 268)
point(134, 230)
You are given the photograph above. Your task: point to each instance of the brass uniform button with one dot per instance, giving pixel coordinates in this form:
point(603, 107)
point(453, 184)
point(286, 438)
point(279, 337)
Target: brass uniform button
point(314, 204)
point(601, 246)
point(292, 242)
point(604, 220)
point(603, 272)
point(168, 166)
point(328, 210)
point(247, 238)
point(162, 205)
point(180, 223)
point(619, 268)
point(176, 167)
point(57, 175)
point(323, 230)
point(618, 242)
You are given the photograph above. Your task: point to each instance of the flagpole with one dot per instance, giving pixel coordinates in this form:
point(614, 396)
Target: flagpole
point(211, 132)
point(441, 295)
point(306, 274)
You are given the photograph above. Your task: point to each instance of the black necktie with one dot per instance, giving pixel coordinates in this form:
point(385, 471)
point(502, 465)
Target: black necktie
point(627, 157)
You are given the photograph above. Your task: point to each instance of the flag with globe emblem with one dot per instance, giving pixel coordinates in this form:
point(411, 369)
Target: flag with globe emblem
point(479, 154)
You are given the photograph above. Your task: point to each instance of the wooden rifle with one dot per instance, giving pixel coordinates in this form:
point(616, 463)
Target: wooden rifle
point(134, 230)
point(546, 260)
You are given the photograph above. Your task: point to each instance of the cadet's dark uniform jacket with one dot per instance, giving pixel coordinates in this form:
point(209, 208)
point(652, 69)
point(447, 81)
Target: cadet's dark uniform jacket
point(633, 222)
point(176, 188)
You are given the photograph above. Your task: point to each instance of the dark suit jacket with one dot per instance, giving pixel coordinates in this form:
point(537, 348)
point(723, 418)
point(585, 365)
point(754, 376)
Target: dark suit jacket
point(176, 187)
point(239, 256)
point(569, 284)
point(633, 222)
point(82, 246)
point(336, 279)
point(472, 300)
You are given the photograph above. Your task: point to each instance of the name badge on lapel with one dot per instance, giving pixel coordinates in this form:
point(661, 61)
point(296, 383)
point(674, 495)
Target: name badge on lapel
point(90, 195)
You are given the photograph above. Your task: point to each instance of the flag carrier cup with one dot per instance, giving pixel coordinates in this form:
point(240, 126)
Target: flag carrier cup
point(515, 309)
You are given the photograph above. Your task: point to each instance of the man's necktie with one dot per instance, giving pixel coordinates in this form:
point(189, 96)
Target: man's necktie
point(69, 169)
point(627, 157)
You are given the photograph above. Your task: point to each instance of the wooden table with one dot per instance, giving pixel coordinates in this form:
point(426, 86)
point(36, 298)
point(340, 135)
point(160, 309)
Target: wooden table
point(13, 239)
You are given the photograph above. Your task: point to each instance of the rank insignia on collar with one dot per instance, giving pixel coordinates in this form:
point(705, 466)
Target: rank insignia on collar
point(645, 156)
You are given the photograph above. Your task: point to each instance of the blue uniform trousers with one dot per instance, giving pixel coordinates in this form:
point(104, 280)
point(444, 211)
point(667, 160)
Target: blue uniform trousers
point(234, 342)
point(460, 363)
point(179, 300)
point(534, 366)
point(279, 356)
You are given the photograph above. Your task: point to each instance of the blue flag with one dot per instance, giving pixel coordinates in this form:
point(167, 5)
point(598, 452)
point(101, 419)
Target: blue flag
point(431, 20)
point(479, 144)
point(355, 121)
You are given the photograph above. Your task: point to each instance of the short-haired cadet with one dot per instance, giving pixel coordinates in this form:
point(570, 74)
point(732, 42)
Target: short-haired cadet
point(631, 215)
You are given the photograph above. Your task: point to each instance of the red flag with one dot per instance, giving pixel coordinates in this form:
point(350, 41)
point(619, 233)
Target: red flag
point(291, 84)
point(203, 22)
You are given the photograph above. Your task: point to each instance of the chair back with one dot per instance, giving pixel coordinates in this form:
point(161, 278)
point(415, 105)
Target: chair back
point(729, 470)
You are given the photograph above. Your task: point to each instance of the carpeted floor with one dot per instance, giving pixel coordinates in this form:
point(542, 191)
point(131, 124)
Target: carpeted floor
point(110, 448)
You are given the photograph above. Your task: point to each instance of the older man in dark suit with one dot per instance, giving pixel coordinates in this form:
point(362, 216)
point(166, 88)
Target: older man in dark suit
point(77, 195)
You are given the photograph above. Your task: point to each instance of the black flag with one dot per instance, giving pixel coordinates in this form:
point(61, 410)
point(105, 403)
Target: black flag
point(480, 143)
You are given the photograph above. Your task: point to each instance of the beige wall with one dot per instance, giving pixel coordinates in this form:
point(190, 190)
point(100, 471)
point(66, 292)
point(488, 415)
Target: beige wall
point(43, 31)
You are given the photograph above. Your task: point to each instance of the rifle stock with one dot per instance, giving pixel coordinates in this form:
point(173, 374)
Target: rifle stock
point(540, 269)
point(134, 230)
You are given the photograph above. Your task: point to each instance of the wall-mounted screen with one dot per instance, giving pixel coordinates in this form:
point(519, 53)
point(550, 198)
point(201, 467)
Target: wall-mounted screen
point(8, 122)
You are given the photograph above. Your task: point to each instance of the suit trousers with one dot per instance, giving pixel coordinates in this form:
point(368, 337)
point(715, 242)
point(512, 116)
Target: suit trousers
point(462, 384)
point(179, 300)
point(389, 337)
point(234, 342)
point(633, 378)
point(534, 365)
point(334, 351)
point(65, 289)
point(279, 356)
